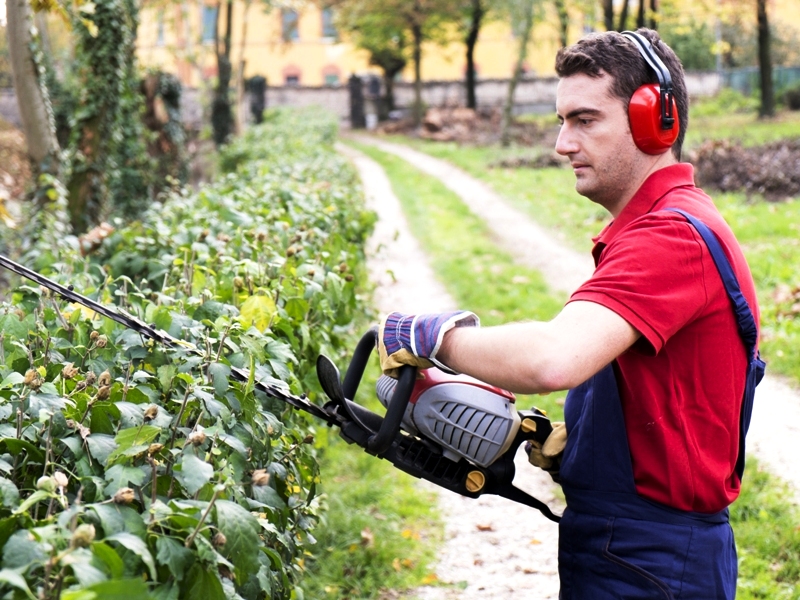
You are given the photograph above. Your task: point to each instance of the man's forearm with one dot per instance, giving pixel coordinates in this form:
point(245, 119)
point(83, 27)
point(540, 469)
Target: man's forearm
point(536, 357)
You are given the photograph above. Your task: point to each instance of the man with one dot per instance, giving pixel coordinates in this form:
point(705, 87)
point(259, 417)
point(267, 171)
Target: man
point(658, 347)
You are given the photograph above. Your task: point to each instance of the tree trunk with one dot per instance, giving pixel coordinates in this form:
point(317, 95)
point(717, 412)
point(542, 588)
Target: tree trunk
point(221, 114)
point(37, 124)
point(653, 24)
point(472, 39)
point(416, 32)
point(623, 17)
point(388, 82)
point(640, 15)
point(608, 14)
point(241, 111)
point(524, 39)
point(767, 108)
point(563, 21)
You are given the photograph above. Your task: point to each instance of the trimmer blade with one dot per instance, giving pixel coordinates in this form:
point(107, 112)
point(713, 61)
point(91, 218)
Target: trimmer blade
point(329, 379)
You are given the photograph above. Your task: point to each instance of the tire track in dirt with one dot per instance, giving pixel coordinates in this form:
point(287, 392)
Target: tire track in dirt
point(774, 435)
point(494, 549)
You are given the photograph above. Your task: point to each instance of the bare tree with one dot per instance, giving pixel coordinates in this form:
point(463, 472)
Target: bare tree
point(563, 21)
point(623, 17)
point(477, 12)
point(37, 123)
point(522, 13)
point(640, 14)
point(767, 108)
point(608, 14)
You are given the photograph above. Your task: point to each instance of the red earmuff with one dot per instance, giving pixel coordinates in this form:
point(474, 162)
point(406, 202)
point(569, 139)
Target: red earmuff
point(652, 112)
point(644, 113)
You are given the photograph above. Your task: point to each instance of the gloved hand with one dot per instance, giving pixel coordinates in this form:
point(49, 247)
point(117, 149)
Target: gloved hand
point(415, 339)
point(547, 456)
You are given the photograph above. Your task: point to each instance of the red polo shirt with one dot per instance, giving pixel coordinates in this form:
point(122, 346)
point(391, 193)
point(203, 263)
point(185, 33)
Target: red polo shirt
point(682, 383)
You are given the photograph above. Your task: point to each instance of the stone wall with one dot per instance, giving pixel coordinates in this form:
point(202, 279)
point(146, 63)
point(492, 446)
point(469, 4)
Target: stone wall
point(532, 95)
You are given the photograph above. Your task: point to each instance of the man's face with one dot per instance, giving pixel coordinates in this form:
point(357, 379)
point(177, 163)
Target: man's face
point(595, 135)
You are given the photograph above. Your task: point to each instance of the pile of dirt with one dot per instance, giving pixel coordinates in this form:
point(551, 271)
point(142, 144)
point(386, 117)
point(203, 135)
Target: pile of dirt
point(541, 161)
point(467, 126)
point(772, 170)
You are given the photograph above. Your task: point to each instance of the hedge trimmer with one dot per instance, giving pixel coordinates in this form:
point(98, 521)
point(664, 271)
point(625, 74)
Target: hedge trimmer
point(452, 430)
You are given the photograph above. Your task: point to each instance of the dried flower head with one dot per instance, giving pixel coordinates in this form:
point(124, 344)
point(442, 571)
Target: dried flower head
point(219, 540)
point(150, 413)
point(69, 371)
point(260, 477)
point(196, 438)
point(104, 379)
point(124, 496)
point(91, 378)
point(103, 392)
point(101, 341)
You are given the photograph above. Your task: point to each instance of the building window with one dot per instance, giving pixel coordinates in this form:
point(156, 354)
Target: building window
point(160, 30)
point(209, 23)
point(331, 75)
point(289, 29)
point(293, 80)
point(328, 27)
point(332, 79)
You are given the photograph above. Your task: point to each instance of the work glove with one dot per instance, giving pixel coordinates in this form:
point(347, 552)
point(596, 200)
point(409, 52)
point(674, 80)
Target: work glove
point(415, 339)
point(547, 456)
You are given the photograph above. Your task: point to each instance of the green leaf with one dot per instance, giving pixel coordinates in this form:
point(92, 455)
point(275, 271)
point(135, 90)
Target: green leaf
point(117, 589)
point(120, 476)
point(137, 546)
point(9, 493)
point(16, 447)
point(35, 497)
point(296, 308)
point(204, 584)
point(219, 373)
point(22, 550)
point(257, 311)
point(174, 555)
point(194, 473)
point(101, 446)
point(16, 580)
point(108, 558)
point(115, 519)
point(268, 496)
point(133, 436)
point(241, 530)
point(11, 380)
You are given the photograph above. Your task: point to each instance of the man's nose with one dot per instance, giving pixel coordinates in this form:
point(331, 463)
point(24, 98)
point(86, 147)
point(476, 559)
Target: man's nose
point(566, 143)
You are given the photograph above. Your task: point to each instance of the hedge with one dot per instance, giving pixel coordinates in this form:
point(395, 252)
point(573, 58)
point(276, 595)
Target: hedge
point(131, 470)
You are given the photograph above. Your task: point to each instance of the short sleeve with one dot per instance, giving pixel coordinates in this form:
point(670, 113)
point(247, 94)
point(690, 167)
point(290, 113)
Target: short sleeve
point(652, 274)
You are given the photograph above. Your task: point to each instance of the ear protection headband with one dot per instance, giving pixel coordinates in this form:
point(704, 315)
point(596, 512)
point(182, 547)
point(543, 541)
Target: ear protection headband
point(652, 111)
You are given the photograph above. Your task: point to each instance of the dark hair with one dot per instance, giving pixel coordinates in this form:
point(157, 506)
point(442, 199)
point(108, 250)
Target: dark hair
point(617, 55)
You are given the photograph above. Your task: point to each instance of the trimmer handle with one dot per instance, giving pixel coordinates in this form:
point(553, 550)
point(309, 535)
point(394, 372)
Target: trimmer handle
point(380, 441)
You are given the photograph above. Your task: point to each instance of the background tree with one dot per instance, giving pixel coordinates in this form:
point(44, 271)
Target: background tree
point(563, 21)
point(476, 12)
point(767, 108)
point(376, 28)
point(222, 121)
point(34, 109)
point(521, 14)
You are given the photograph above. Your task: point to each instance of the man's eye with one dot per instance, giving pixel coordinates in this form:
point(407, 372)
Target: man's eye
point(584, 121)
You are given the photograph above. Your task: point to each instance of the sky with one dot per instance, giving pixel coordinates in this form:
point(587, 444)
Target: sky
point(2, 12)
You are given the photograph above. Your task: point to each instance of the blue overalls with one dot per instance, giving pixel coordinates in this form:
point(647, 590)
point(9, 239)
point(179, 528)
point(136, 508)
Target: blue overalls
point(614, 544)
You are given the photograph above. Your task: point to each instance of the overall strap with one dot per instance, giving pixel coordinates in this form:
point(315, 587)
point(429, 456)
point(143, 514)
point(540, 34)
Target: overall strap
point(744, 316)
point(746, 324)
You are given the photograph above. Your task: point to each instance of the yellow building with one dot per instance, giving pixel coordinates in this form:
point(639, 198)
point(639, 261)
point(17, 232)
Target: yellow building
point(301, 46)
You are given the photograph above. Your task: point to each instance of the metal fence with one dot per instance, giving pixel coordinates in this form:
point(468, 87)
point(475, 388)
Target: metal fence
point(747, 81)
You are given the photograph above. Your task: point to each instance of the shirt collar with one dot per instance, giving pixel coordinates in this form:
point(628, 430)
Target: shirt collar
point(655, 187)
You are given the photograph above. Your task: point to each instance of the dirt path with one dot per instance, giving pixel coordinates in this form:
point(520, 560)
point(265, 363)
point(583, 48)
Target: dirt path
point(494, 549)
point(774, 436)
